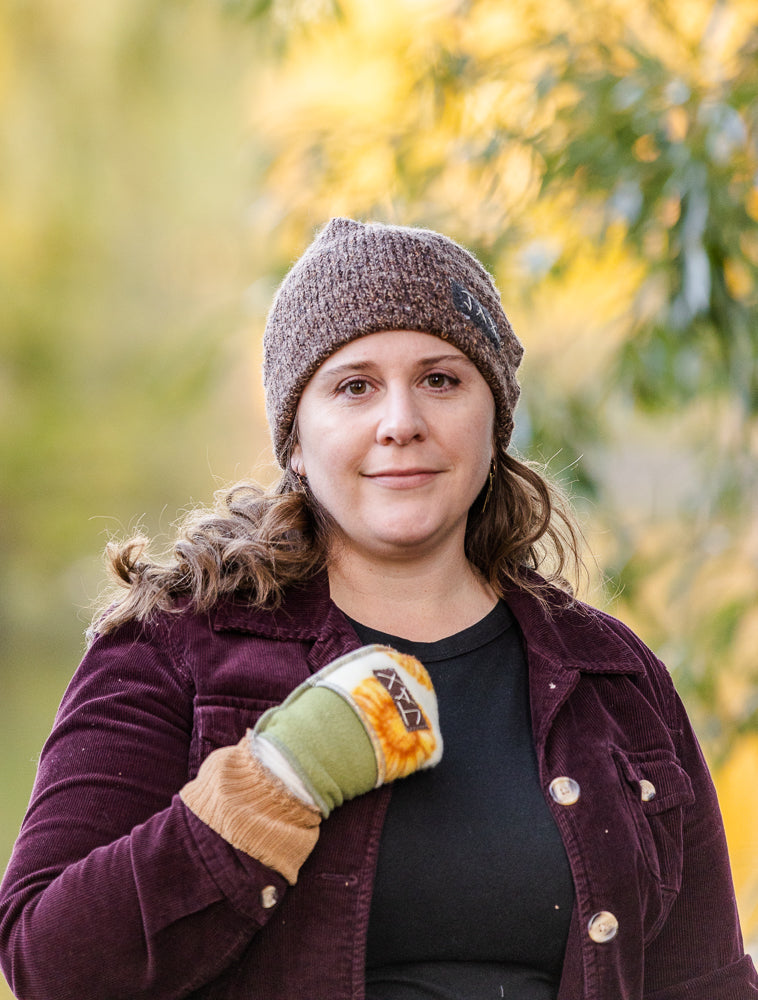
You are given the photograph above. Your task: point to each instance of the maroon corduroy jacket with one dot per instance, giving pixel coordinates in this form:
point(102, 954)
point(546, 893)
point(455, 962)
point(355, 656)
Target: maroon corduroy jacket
point(115, 890)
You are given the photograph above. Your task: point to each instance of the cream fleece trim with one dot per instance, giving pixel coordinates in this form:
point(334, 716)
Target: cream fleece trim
point(277, 765)
point(253, 810)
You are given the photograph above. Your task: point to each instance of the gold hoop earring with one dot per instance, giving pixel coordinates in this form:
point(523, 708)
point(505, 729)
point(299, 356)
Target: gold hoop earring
point(490, 483)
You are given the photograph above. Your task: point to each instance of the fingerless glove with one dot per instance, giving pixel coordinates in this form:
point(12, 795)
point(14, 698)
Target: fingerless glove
point(365, 719)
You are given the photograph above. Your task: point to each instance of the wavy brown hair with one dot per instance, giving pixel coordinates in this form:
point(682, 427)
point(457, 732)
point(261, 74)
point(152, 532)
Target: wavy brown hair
point(256, 543)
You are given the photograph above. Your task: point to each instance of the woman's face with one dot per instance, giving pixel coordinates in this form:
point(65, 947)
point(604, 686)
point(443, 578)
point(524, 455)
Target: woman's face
point(395, 438)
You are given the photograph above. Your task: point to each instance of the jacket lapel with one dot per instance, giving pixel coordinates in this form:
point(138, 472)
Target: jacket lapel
point(564, 639)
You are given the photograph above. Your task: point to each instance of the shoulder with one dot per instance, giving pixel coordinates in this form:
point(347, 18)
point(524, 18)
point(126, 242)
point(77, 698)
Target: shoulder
point(169, 631)
point(232, 645)
point(574, 635)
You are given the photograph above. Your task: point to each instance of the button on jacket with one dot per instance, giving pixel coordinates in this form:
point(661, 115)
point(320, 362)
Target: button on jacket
point(116, 890)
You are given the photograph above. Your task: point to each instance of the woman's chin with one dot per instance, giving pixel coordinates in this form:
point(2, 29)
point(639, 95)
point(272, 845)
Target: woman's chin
point(403, 542)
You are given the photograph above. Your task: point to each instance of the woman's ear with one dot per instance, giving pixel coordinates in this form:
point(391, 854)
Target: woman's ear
point(296, 460)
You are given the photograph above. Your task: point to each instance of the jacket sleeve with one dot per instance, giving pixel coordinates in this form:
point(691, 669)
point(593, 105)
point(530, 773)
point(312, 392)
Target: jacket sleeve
point(698, 954)
point(115, 888)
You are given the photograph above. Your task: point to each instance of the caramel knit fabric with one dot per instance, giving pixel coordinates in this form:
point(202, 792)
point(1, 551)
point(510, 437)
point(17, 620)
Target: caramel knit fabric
point(237, 797)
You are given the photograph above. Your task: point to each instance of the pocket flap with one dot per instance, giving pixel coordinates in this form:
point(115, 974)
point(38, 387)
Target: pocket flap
point(221, 721)
point(657, 777)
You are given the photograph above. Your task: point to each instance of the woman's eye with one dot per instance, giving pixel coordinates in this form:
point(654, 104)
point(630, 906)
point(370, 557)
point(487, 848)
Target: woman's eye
point(438, 380)
point(356, 387)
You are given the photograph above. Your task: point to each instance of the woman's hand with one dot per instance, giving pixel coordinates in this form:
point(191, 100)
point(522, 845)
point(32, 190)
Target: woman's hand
point(365, 719)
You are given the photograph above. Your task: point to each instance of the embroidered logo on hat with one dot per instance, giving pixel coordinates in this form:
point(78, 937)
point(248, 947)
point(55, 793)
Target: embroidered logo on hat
point(407, 706)
point(473, 309)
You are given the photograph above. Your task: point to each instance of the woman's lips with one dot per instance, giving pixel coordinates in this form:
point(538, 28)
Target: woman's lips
point(402, 479)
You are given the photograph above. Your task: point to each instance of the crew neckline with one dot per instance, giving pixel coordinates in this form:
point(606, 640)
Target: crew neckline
point(495, 623)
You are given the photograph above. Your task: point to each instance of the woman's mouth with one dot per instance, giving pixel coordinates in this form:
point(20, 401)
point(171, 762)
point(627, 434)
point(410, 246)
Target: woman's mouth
point(402, 479)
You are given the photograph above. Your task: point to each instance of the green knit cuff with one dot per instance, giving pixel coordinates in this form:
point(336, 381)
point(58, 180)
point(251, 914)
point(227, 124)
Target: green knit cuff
point(326, 743)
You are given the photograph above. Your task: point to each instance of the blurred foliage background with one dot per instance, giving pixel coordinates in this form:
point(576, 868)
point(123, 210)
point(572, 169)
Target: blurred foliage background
point(162, 163)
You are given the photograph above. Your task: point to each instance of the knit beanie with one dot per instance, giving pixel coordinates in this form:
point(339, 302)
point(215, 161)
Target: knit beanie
point(358, 278)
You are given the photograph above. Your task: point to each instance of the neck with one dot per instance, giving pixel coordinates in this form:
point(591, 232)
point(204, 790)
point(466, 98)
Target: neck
point(422, 600)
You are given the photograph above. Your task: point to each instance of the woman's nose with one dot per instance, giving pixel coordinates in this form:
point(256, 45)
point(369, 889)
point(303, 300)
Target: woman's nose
point(401, 420)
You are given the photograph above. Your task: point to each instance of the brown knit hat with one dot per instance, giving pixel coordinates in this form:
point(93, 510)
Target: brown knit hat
point(358, 278)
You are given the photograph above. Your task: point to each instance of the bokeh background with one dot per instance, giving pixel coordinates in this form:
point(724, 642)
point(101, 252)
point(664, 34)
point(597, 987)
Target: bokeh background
point(162, 162)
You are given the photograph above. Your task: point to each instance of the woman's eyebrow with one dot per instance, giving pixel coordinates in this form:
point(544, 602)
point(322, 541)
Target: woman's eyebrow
point(330, 371)
point(438, 359)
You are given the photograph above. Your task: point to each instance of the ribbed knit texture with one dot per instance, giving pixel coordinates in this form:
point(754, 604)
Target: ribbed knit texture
point(358, 278)
point(237, 797)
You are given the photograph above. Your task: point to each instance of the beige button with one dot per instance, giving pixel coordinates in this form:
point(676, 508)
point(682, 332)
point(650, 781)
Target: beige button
point(269, 897)
point(603, 927)
point(647, 790)
point(564, 791)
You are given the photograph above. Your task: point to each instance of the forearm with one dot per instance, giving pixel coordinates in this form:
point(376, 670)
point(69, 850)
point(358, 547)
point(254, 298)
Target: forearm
point(115, 888)
point(157, 913)
point(131, 881)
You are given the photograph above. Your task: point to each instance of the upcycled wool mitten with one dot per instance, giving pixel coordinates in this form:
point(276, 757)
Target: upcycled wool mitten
point(365, 719)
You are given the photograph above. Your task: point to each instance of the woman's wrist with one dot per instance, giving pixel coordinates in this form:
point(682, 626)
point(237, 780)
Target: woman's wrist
point(252, 809)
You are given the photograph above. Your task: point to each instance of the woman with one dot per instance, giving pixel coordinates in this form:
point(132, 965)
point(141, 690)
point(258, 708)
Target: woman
point(216, 812)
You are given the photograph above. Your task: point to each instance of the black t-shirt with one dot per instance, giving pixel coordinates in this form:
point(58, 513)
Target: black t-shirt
point(473, 892)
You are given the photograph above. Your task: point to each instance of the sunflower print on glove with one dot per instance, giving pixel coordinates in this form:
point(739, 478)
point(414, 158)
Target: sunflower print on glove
point(404, 738)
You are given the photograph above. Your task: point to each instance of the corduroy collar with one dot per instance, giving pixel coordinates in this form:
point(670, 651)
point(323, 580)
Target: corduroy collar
point(574, 635)
point(301, 615)
point(567, 634)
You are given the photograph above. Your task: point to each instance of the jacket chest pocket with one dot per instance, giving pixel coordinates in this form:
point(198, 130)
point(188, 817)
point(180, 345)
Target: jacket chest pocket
point(221, 721)
point(656, 790)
